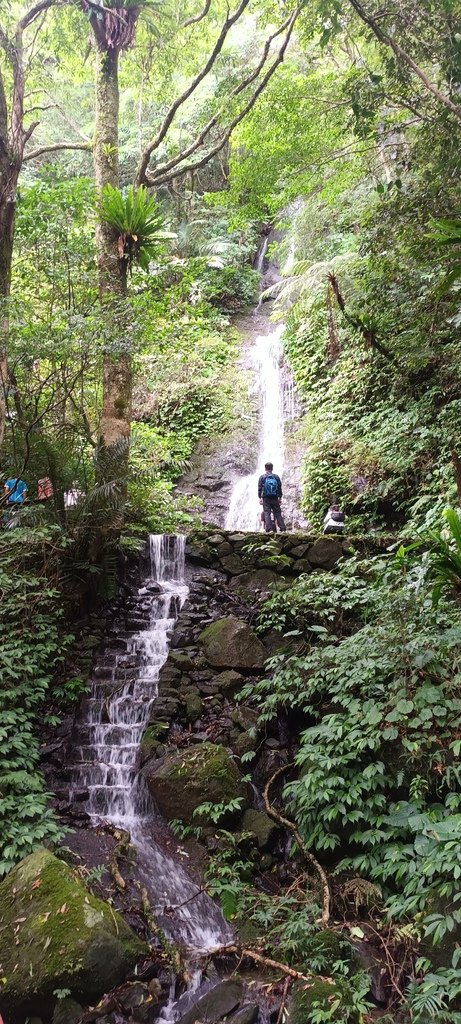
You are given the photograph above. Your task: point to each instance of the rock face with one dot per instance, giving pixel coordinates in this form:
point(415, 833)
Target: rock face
point(216, 1004)
point(204, 774)
point(231, 643)
point(55, 935)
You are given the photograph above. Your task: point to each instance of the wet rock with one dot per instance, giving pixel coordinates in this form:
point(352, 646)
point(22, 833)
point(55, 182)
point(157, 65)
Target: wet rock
point(203, 774)
point(302, 565)
point(231, 643)
point(215, 1004)
point(261, 827)
point(300, 550)
point(151, 737)
point(67, 1011)
point(181, 660)
point(224, 549)
point(194, 706)
point(232, 564)
point(246, 1015)
point(55, 934)
point(198, 554)
point(325, 553)
point(258, 582)
point(227, 682)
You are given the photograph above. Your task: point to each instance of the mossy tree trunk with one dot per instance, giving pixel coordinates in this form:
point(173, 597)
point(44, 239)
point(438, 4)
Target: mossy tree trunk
point(117, 361)
point(8, 182)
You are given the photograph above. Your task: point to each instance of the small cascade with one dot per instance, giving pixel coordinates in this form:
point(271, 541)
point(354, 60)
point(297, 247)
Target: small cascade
point(261, 254)
point(125, 684)
point(277, 402)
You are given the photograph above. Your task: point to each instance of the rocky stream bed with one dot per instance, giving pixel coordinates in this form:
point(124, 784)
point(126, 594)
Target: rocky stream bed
point(113, 926)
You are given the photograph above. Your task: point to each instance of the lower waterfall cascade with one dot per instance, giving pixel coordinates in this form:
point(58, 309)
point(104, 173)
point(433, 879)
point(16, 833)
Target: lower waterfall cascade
point(113, 720)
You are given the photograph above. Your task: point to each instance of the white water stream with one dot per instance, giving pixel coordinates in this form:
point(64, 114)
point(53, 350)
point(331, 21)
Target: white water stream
point(115, 717)
point(276, 398)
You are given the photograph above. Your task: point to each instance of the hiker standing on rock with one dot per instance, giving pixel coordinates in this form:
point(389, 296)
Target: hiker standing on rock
point(269, 494)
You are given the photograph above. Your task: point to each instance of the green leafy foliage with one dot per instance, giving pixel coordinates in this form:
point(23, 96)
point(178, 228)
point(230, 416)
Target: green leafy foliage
point(138, 221)
point(32, 647)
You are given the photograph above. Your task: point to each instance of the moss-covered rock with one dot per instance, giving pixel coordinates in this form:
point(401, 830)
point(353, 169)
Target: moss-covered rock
point(325, 553)
point(231, 643)
point(55, 935)
point(227, 682)
point(320, 994)
point(197, 775)
point(257, 583)
point(261, 827)
point(151, 737)
point(194, 706)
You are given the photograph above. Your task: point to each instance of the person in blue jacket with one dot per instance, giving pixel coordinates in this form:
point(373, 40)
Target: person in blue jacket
point(269, 494)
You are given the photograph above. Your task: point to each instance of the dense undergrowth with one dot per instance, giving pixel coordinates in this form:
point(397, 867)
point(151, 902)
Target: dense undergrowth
point(367, 682)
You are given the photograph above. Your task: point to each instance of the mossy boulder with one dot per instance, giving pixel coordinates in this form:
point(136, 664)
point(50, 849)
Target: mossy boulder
point(151, 737)
point(55, 935)
point(333, 997)
point(257, 583)
point(197, 775)
point(227, 682)
point(232, 643)
point(325, 553)
point(261, 827)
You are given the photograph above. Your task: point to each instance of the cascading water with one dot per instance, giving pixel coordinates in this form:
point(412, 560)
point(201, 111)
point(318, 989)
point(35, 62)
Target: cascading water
point(114, 719)
point(277, 404)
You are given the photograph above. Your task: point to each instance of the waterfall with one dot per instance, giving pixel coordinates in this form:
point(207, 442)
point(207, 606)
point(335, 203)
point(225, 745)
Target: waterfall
point(114, 717)
point(277, 404)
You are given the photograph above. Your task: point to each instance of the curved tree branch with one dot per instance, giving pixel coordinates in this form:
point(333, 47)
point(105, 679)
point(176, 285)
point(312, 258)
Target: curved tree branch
point(154, 144)
point(55, 147)
point(280, 818)
point(200, 138)
point(160, 176)
point(198, 17)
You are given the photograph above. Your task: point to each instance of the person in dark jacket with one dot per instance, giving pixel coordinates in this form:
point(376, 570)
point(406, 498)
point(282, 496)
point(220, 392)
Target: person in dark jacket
point(269, 494)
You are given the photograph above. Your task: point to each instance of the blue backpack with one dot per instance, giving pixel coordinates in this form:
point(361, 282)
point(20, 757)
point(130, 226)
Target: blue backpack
point(271, 487)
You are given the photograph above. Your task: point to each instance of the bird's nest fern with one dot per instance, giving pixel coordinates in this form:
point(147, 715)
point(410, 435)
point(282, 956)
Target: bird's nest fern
point(138, 222)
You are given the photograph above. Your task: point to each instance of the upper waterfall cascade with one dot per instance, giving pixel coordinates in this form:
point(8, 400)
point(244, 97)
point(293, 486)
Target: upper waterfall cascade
point(113, 720)
point(277, 402)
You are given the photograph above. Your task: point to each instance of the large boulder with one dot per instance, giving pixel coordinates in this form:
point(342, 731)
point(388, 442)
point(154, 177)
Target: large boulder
point(255, 584)
point(261, 827)
point(231, 643)
point(325, 553)
point(203, 774)
point(55, 935)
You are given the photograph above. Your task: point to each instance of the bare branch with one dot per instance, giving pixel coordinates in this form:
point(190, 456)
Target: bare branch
point(199, 17)
point(200, 138)
point(383, 37)
point(34, 12)
point(159, 177)
point(227, 25)
point(55, 147)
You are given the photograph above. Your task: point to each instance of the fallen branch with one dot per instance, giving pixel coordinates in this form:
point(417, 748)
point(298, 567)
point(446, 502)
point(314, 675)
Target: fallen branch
point(280, 818)
point(120, 849)
point(267, 962)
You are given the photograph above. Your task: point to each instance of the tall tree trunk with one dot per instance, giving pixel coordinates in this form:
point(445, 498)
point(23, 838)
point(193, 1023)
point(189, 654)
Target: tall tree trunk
point(117, 368)
point(8, 182)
